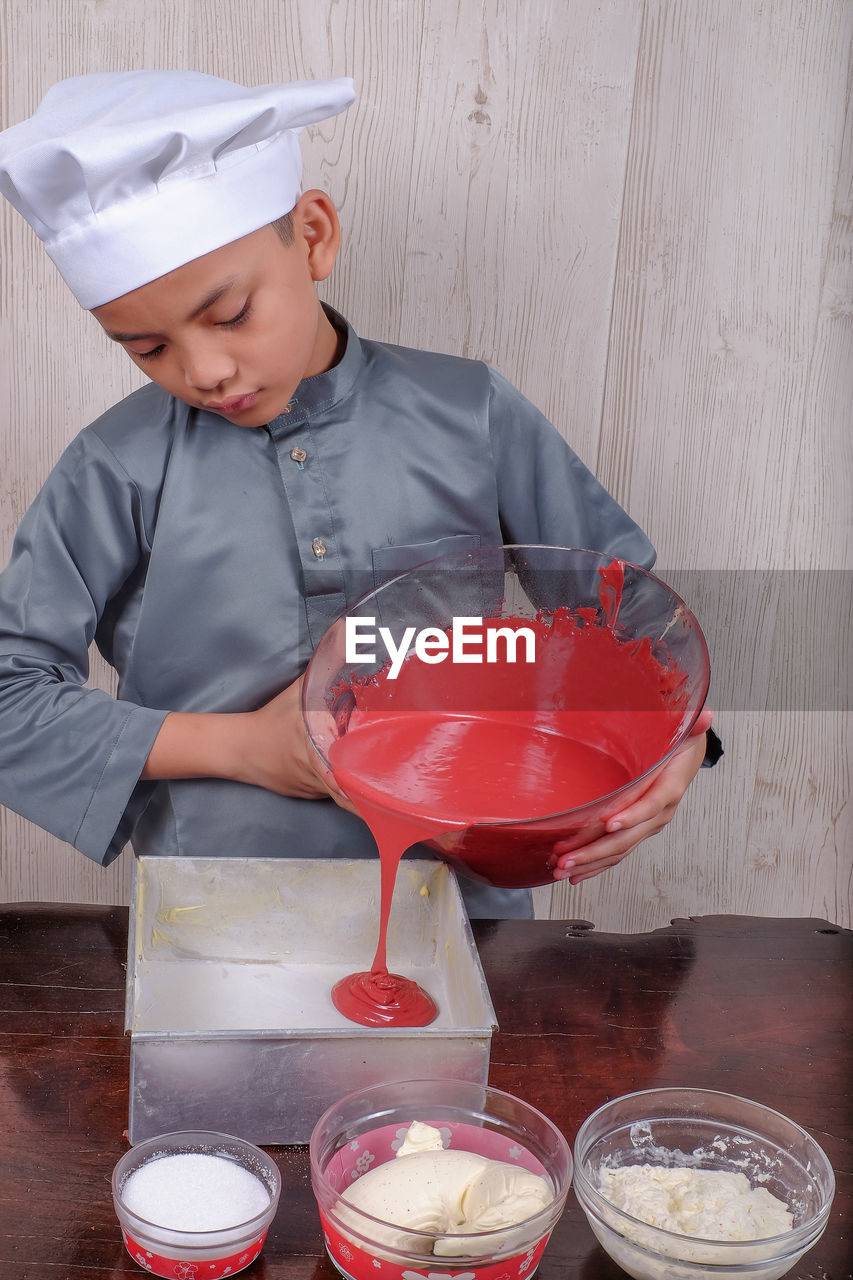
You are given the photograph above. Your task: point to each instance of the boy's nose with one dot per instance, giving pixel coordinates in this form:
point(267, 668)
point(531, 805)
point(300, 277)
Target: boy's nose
point(207, 370)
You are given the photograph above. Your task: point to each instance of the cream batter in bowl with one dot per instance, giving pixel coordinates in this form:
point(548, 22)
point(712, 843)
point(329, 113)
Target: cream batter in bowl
point(681, 1183)
point(439, 1178)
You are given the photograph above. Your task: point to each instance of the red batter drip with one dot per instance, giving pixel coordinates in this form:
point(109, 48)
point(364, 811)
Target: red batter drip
point(377, 998)
point(447, 746)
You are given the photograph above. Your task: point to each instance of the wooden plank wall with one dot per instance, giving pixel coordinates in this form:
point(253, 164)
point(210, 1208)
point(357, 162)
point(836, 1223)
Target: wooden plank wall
point(640, 211)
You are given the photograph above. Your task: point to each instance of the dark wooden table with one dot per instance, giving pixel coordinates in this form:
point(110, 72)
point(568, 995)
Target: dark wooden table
point(756, 1007)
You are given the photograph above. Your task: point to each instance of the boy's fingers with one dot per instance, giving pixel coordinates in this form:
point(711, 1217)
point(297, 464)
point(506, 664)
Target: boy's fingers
point(623, 830)
point(658, 800)
point(666, 791)
point(586, 871)
point(607, 850)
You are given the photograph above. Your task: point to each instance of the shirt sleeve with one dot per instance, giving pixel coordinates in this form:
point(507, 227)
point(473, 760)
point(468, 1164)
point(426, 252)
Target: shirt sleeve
point(545, 493)
point(70, 756)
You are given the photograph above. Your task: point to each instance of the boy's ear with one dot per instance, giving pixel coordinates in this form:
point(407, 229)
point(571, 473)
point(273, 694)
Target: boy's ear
point(315, 223)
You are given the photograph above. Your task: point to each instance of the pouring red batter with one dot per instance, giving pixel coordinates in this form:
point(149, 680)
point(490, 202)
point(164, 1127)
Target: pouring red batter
point(455, 752)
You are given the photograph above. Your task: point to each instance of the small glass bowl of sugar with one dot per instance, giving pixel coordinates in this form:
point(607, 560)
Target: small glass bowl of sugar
point(195, 1197)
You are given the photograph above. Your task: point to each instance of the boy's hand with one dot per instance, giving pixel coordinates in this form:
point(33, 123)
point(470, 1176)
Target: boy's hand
point(280, 756)
point(266, 748)
point(645, 817)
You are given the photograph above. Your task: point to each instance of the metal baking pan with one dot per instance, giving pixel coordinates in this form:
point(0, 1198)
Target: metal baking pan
point(230, 966)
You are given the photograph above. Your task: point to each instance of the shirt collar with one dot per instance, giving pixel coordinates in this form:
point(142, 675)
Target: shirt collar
point(322, 391)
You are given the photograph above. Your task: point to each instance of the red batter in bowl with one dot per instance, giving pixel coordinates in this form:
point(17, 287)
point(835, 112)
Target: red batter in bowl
point(494, 703)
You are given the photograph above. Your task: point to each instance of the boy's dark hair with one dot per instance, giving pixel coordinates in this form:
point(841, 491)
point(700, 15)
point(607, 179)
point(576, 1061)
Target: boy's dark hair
point(283, 228)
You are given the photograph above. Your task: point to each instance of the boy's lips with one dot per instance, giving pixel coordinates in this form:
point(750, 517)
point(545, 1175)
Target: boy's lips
point(234, 404)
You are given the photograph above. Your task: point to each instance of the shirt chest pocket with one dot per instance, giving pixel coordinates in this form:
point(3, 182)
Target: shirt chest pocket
point(437, 596)
point(388, 562)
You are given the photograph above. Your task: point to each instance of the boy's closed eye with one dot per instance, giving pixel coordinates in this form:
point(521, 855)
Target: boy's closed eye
point(241, 316)
point(148, 355)
point(232, 322)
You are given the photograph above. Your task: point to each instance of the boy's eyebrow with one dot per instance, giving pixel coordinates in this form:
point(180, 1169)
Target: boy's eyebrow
point(205, 305)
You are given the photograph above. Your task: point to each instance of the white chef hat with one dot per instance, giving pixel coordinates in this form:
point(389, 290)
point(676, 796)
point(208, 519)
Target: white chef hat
point(126, 175)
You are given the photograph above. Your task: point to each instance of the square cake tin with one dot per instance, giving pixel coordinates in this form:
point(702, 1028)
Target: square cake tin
point(231, 962)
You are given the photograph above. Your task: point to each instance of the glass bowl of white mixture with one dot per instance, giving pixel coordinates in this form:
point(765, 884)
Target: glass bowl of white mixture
point(439, 1178)
point(682, 1183)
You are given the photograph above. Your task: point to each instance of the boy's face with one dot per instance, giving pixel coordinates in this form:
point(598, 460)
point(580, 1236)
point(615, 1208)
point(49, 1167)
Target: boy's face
point(237, 330)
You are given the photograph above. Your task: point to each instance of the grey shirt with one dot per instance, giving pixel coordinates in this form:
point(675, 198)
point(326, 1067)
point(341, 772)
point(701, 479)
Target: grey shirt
point(205, 560)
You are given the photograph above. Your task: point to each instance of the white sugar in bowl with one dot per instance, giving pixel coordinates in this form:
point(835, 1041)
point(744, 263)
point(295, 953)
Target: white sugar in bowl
point(195, 1197)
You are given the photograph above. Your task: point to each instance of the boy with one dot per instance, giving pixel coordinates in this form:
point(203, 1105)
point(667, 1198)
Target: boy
point(207, 530)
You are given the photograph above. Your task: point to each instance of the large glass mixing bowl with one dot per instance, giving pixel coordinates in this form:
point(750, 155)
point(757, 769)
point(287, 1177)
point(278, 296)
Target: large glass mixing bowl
point(637, 706)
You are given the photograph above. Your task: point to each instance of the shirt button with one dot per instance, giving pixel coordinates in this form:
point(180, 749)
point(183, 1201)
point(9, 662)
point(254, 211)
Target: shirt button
point(298, 455)
point(318, 546)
